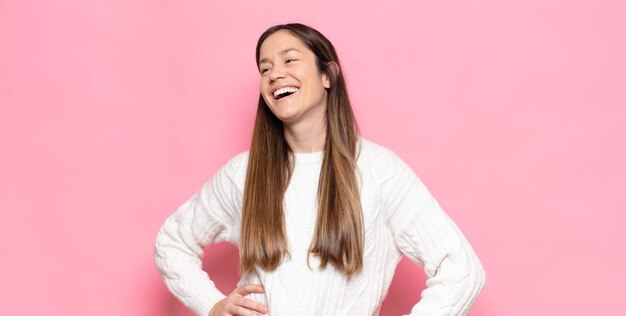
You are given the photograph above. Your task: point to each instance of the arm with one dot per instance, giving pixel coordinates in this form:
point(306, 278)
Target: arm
point(207, 217)
point(426, 235)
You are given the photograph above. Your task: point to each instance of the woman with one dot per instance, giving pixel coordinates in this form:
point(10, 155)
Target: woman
point(321, 216)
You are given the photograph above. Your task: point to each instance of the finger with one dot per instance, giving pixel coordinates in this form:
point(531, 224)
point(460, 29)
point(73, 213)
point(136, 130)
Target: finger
point(241, 311)
point(252, 305)
point(250, 288)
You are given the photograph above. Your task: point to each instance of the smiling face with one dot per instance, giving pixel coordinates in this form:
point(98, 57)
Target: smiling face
point(291, 84)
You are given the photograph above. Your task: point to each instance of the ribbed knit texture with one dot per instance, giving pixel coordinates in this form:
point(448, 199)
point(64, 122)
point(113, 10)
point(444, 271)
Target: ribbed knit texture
point(401, 217)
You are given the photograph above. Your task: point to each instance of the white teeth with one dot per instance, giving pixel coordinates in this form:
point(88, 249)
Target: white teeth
point(284, 90)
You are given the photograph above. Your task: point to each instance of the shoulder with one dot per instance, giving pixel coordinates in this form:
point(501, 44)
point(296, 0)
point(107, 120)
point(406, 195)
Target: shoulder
point(385, 172)
point(238, 162)
point(379, 160)
point(234, 170)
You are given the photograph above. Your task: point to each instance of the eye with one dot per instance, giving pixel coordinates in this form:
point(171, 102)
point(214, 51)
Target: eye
point(264, 70)
point(290, 60)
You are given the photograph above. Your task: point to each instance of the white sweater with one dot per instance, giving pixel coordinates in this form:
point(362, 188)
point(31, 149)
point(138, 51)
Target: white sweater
point(401, 217)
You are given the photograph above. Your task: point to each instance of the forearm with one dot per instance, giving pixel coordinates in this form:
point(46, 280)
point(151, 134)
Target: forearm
point(178, 254)
point(454, 287)
point(429, 237)
point(181, 270)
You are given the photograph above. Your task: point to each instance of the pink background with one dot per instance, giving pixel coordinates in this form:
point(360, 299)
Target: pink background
point(113, 113)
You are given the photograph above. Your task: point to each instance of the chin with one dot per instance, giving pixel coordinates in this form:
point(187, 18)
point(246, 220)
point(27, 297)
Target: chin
point(286, 118)
point(283, 114)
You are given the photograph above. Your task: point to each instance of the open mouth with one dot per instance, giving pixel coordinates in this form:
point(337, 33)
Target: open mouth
point(284, 92)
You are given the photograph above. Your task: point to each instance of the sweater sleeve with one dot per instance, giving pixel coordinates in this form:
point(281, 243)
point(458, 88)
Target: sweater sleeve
point(207, 217)
point(427, 236)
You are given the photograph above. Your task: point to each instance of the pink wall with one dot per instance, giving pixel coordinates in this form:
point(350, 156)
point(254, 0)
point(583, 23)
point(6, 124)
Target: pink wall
point(113, 113)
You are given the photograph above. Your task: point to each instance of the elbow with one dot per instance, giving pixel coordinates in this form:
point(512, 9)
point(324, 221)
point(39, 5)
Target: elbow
point(481, 277)
point(159, 251)
point(474, 286)
point(478, 276)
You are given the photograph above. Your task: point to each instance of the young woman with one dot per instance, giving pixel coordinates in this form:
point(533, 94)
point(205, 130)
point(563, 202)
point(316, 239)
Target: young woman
point(321, 215)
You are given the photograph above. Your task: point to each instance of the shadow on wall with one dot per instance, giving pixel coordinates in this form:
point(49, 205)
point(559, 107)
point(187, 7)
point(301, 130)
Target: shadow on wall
point(221, 262)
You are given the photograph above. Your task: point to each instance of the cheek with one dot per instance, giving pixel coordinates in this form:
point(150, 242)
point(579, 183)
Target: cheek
point(265, 97)
point(262, 85)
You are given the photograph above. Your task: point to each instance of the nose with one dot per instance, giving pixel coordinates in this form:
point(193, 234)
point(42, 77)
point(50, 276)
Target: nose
point(276, 73)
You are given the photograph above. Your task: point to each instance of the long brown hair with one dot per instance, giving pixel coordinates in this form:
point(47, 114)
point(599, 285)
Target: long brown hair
point(338, 237)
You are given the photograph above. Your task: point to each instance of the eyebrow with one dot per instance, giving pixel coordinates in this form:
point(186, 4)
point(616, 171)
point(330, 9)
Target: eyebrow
point(283, 52)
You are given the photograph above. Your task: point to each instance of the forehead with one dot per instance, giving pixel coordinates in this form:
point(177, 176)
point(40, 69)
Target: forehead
point(279, 42)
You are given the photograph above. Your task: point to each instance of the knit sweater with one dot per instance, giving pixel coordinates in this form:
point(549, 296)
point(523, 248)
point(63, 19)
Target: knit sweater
point(400, 216)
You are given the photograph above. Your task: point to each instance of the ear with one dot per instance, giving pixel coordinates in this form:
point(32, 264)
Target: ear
point(333, 72)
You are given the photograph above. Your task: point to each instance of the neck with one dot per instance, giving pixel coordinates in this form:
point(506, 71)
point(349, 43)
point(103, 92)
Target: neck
point(306, 137)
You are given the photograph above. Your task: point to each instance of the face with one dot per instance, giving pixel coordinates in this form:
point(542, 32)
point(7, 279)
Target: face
point(291, 84)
